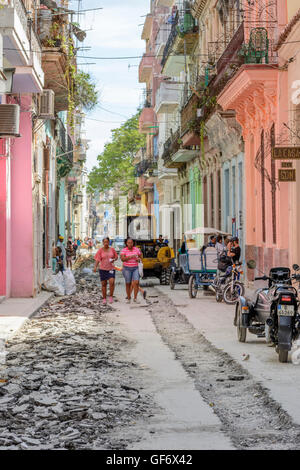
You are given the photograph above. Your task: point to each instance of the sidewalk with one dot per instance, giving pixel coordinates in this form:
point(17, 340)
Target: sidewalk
point(14, 312)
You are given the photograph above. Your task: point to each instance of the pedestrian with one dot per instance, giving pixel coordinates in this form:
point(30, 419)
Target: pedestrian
point(59, 260)
point(105, 257)
point(212, 241)
point(78, 245)
point(75, 248)
point(90, 244)
point(54, 257)
point(235, 250)
point(220, 245)
point(69, 254)
point(61, 244)
point(131, 255)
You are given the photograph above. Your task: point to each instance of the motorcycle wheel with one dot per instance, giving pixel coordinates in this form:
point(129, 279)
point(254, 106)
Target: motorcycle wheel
point(219, 297)
point(283, 355)
point(165, 277)
point(172, 280)
point(241, 331)
point(231, 296)
point(192, 288)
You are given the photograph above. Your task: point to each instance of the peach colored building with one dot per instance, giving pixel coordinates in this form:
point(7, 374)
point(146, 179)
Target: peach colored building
point(258, 93)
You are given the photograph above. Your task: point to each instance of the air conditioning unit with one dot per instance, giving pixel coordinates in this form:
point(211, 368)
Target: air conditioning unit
point(46, 110)
point(9, 120)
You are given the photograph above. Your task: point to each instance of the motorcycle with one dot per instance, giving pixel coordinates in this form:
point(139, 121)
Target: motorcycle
point(228, 285)
point(273, 312)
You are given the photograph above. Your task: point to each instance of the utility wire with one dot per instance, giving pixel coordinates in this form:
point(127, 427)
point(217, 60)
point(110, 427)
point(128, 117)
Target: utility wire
point(127, 57)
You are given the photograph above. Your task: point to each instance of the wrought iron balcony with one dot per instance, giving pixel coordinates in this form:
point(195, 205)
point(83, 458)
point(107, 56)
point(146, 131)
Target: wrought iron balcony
point(142, 167)
point(170, 148)
point(182, 37)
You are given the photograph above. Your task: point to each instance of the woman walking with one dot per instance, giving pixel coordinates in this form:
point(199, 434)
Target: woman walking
point(131, 255)
point(105, 257)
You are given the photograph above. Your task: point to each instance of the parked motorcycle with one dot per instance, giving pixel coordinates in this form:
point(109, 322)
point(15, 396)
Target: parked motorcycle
point(273, 312)
point(228, 285)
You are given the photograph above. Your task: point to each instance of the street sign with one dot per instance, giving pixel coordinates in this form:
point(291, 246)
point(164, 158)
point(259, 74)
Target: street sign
point(286, 164)
point(286, 153)
point(286, 175)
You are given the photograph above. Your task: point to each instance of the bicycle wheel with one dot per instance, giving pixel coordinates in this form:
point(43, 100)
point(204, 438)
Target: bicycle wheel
point(232, 293)
point(192, 287)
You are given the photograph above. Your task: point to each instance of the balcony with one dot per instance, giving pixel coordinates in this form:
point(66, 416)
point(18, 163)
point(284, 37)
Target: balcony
point(181, 41)
point(171, 146)
point(30, 79)
point(167, 98)
point(139, 156)
point(54, 56)
point(145, 68)
point(147, 27)
point(144, 185)
point(21, 48)
point(185, 155)
point(189, 122)
point(226, 69)
point(161, 39)
point(147, 121)
point(14, 29)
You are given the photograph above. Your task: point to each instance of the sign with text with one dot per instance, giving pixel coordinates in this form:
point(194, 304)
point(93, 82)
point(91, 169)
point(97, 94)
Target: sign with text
point(286, 164)
point(286, 153)
point(286, 175)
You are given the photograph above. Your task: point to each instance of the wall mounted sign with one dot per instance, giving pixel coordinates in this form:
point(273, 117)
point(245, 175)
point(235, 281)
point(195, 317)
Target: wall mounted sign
point(286, 164)
point(286, 175)
point(286, 153)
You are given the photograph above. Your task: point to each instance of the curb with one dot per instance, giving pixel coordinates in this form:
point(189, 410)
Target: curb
point(41, 306)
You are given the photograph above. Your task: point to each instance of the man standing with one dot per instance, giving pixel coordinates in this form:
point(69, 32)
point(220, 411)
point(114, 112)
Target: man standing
point(60, 244)
point(235, 251)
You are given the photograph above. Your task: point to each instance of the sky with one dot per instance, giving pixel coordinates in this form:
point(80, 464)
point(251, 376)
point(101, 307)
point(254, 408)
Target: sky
point(114, 31)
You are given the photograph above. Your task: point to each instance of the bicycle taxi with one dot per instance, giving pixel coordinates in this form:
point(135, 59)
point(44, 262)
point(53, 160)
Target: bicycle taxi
point(197, 266)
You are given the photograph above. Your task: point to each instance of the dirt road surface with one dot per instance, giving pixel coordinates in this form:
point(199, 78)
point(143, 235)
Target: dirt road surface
point(163, 374)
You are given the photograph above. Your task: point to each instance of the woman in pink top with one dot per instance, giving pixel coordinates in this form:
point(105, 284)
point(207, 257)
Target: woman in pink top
point(105, 257)
point(131, 255)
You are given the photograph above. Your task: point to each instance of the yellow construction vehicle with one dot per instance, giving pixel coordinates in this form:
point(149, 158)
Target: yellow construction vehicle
point(157, 259)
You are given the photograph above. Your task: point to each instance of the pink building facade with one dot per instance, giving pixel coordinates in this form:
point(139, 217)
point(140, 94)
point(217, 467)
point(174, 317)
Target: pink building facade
point(16, 214)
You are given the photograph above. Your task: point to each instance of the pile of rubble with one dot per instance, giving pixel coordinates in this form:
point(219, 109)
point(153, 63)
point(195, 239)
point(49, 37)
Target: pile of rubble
point(66, 384)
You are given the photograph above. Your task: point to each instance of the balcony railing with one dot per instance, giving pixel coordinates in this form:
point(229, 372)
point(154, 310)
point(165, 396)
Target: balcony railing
point(183, 24)
point(70, 149)
point(142, 167)
point(162, 38)
point(171, 40)
point(189, 114)
point(170, 147)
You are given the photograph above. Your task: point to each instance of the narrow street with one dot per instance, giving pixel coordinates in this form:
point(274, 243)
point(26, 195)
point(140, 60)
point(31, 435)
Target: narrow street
point(167, 373)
